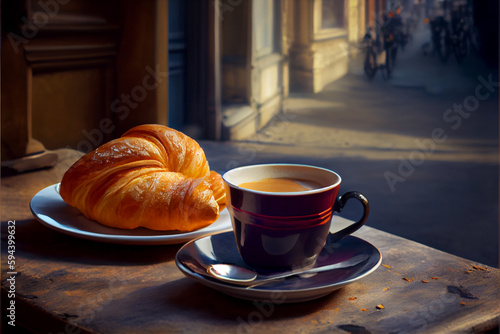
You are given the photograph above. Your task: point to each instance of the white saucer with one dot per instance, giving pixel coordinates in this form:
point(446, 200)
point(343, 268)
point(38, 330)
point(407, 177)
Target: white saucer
point(195, 256)
point(50, 209)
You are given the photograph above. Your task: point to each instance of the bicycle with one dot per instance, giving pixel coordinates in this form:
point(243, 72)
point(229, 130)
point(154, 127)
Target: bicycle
point(374, 59)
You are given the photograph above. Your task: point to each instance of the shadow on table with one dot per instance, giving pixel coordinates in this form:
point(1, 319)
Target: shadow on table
point(189, 304)
point(39, 241)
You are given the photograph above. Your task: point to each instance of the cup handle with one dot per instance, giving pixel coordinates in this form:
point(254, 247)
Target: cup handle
point(339, 205)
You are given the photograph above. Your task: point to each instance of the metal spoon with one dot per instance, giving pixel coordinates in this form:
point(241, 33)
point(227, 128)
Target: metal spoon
point(235, 274)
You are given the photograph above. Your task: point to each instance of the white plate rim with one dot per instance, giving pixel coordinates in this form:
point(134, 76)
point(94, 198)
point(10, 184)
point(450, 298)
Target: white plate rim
point(41, 211)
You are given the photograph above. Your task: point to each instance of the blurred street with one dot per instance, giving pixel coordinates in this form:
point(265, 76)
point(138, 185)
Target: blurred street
point(422, 146)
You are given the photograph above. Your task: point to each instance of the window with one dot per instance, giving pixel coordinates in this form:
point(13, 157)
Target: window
point(329, 20)
point(332, 14)
point(263, 12)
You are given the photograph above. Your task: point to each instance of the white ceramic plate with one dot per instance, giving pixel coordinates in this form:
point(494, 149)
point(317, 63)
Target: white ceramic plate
point(194, 258)
point(50, 209)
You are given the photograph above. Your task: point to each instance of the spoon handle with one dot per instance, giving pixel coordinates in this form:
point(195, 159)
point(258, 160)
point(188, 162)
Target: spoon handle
point(349, 263)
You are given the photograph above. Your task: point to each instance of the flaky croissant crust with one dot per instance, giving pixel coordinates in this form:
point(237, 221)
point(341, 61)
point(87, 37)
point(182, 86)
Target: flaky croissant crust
point(153, 176)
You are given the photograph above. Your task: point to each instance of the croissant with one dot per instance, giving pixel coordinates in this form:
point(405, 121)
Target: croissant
point(152, 176)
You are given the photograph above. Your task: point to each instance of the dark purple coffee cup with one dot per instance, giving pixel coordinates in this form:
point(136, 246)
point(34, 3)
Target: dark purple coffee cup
point(286, 230)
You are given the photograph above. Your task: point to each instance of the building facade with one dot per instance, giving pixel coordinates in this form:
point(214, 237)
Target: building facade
point(269, 48)
point(82, 72)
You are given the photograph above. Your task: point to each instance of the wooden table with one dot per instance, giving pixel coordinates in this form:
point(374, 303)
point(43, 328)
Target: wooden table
point(67, 285)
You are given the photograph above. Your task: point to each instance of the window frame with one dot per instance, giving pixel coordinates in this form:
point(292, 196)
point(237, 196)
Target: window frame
point(320, 33)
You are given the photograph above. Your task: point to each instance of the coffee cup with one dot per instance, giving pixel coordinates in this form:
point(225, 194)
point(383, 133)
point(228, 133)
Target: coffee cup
point(282, 213)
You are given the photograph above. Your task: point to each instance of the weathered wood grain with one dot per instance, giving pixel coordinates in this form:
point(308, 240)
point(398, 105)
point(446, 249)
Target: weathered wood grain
point(64, 284)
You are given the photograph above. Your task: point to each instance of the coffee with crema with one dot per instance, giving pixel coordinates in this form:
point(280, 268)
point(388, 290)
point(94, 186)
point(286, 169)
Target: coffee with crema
point(276, 229)
point(281, 185)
